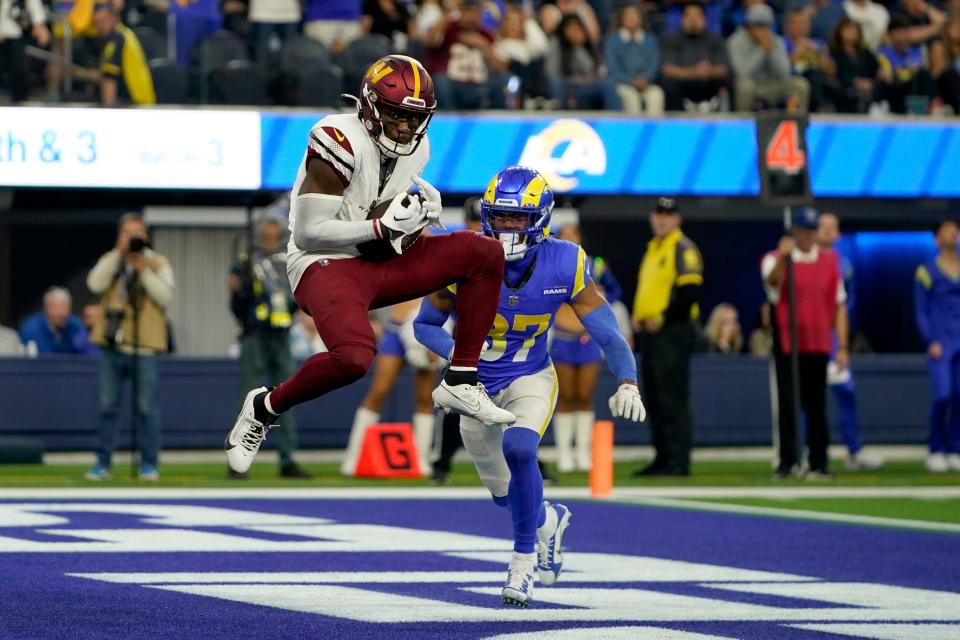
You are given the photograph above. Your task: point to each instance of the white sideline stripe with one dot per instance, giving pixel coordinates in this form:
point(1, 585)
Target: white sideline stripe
point(549, 454)
point(312, 577)
point(801, 514)
point(467, 493)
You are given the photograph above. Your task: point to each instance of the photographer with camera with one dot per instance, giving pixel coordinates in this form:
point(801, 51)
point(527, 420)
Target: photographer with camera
point(136, 285)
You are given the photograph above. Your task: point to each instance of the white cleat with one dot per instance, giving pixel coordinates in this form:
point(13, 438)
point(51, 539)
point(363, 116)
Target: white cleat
point(471, 400)
point(550, 545)
point(518, 592)
point(953, 461)
point(937, 463)
point(248, 433)
point(864, 461)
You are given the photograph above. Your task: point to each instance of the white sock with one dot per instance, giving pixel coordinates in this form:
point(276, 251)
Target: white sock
point(362, 419)
point(266, 403)
point(585, 420)
point(525, 560)
point(423, 436)
point(563, 424)
point(549, 525)
point(463, 368)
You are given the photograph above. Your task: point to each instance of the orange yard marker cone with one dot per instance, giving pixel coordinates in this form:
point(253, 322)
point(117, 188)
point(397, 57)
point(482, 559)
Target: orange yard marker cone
point(388, 452)
point(601, 473)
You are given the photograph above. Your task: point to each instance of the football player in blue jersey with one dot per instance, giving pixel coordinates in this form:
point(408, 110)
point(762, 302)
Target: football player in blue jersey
point(542, 273)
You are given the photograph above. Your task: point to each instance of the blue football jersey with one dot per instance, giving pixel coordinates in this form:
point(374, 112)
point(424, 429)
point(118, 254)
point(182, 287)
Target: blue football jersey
point(517, 343)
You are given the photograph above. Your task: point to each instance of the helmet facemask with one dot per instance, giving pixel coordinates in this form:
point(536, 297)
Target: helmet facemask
point(520, 232)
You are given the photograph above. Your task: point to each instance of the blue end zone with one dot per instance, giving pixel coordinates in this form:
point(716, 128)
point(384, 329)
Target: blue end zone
point(370, 568)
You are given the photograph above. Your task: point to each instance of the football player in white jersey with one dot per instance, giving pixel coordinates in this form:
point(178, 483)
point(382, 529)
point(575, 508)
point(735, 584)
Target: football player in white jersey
point(344, 260)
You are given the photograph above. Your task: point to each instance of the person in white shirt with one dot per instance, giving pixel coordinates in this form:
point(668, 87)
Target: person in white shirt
point(13, 42)
point(267, 17)
point(873, 19)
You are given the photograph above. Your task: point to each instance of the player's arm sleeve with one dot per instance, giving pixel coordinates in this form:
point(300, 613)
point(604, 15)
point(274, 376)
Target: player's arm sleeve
point(429, 331)
point(923, 283)
point(686, 289)
point(601, 324)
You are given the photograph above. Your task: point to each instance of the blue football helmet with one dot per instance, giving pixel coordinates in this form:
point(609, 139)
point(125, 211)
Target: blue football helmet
point(515, 210)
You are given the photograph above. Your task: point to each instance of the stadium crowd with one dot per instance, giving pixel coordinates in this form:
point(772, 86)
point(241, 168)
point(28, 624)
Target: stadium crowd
point(850, 56)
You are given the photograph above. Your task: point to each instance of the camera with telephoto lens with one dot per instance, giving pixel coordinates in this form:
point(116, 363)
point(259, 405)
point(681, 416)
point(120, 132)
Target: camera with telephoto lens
point(113, 333)
point(138, 244)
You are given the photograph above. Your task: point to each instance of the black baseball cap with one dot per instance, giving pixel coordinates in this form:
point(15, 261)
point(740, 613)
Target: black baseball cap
point(666, 204)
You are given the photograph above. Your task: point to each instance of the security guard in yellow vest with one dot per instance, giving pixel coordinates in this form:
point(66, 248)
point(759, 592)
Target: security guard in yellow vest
point(261, 300)
point(664, 310)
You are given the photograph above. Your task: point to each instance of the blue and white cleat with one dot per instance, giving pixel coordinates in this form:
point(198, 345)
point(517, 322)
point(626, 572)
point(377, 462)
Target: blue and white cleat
point(550, 545)
point(98, 472)
point(518, 592)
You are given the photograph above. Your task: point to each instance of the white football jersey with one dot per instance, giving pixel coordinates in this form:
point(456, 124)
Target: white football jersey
point(341, 141)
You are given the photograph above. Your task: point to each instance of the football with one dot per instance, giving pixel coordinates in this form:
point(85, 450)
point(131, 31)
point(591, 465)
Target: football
point(380, 249)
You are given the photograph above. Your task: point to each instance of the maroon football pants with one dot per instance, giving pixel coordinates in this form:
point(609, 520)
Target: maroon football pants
point(339, 293)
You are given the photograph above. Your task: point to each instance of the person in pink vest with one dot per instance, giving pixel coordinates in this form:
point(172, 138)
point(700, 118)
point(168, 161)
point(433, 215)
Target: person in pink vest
point(820, 298)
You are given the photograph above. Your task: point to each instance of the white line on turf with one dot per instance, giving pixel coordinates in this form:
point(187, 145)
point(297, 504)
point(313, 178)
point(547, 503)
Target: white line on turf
point(467, 493)
point(800, 514)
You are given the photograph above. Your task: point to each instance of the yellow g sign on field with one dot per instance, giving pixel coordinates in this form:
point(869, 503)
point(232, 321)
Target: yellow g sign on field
point(584, 153)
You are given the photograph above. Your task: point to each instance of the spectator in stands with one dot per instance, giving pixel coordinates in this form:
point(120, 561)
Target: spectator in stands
point(694, 69)
point(873, 19)
point(263, 304)
point(665, 307)
point(10, 345)
point(853, 85)
point(903, 74)
point(808, 57)
point(723, 331)
point(761, 65)
point(124, 75)
point(926, 20)
point(388, 18)
point(575, 68)
point(945, 65)
point(333, 23)
point(13, 42)
point(269, 17)
point(524, 46)
point(936, 301)
point(760, 342)
point(825, 15)
point(551, 16)
point(465, 65)
point(633, 63)
point(820, 298)
point(133, 281)
point(55, 329)
point(429, 14)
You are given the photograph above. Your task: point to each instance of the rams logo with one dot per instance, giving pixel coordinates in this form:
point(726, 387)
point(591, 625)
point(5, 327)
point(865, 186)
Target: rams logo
point(580, 150)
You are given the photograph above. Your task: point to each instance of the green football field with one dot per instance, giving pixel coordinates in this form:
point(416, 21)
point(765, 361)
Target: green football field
point(711, 483)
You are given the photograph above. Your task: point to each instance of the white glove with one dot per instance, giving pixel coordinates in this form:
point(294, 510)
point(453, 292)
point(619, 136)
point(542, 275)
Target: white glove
point(403, 219)
point(415, 353)
point(626, 403)
point(432, 206)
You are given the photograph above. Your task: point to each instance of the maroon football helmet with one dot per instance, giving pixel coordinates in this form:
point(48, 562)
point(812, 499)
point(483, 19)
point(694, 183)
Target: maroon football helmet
point(397, 100)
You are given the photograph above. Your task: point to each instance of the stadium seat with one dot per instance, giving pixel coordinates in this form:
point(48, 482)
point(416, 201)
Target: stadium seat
point(303, 54)
point(152, 43)
point(360, 54)
point(312, 87)
point(220, 49)
point(169, 81)
point(240, 83)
